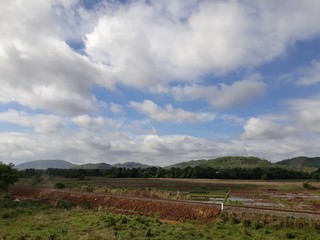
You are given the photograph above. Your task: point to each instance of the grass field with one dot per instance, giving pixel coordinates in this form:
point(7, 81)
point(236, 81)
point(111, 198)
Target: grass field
point(38, 220)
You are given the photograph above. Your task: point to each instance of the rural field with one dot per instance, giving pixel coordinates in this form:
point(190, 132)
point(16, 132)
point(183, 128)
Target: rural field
point(115, 208)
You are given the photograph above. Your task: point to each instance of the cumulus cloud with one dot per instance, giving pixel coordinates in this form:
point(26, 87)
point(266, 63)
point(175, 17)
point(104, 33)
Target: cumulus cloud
point(116, 108)
point(301, 117)
point(41, 123)
point(223, 95)
point(55, 54)
point(266, 128)
point(38, 69)
point(96, 123)
point(151, 149)
point(309, 75)
point(170, 114)
point(145, 44)
point(307, 112)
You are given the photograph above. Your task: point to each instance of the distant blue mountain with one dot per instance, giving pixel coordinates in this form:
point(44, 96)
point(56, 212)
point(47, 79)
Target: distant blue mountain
point(45, 164)
point(131, 165)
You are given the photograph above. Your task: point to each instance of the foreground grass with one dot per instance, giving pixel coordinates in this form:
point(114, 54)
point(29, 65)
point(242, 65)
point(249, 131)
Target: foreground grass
point(38, 220)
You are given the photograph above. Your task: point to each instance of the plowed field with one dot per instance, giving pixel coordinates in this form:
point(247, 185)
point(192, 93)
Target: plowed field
point(165, 209)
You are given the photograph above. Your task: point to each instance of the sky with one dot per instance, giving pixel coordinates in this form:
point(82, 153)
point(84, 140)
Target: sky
point(159, 82)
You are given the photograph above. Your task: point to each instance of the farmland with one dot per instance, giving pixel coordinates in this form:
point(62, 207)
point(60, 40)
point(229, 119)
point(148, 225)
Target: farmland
point(109, 208)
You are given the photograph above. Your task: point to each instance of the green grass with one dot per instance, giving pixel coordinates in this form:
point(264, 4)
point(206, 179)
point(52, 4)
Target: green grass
point(38, 220)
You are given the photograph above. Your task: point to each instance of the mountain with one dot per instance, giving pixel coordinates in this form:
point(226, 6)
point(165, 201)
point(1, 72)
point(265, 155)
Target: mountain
point(94, 166)
point(192, 163)
point(301, 162)
point(131, 165)
point(45, 164)
point(226, 162)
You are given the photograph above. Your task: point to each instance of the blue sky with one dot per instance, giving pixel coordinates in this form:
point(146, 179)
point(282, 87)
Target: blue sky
point(159, 82)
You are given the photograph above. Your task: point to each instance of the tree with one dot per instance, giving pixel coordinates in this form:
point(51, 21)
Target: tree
point(8, 176)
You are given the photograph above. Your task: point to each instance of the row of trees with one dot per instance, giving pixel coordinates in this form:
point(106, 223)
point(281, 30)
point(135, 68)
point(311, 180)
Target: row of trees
point(9, 175)
point(189, 172)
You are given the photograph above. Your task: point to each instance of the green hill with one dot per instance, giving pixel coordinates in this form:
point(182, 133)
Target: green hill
point(192, 163)
point(236, 161)
point(226, 162)
point(301, 162)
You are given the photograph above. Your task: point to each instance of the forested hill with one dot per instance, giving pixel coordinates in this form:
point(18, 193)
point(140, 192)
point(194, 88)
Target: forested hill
point(301, 162)
point(226, 162)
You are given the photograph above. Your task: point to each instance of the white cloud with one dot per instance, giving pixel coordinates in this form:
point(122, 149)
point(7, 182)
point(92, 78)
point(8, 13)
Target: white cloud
point(85, 121)
point(309, 75)
point(41, 123)
point(144, 45)
point(223, 95)
point(306, 112)
point(149, 46)
point(38, 69)
point(152, 149)
point(267, 128)
point(170, 114)
point(116, 108)
point(300, 119)
point(96, 123)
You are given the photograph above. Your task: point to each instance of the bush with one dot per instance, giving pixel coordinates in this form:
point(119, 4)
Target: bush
point(307, 185)
point(290, 235)
point(59, 185)
point(65, 204)
point(86, 188)
point(246, 223)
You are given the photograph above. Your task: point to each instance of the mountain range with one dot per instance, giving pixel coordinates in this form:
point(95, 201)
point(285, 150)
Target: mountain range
point(45, 164)
point(218, 163)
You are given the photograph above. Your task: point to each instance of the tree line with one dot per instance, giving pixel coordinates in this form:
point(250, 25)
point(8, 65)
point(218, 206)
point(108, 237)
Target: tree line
point(271, 173)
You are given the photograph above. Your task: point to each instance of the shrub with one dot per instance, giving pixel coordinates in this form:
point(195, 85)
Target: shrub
point(86, 188)
point(65, 204)
point(307, 185)
point(246, 223)
point(290, 235)
point(59, 185)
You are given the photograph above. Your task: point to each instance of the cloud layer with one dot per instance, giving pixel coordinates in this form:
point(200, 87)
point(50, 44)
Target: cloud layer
point(125, 81)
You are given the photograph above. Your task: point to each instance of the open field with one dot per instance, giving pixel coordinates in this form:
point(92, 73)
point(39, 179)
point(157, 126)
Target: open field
point(277, 194)
point(40, 220)
point(164, 209)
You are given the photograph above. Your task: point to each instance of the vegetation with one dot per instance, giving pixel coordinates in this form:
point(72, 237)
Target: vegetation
point(38, 220)
point(301, 162)
point(270, 173)
point(8, 176)
point(226, 163)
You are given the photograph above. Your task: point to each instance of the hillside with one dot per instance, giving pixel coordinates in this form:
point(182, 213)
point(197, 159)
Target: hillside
point(131, 165)
point(301, 162)
point(45, 164)
point(94, 166)
point(226, 162)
